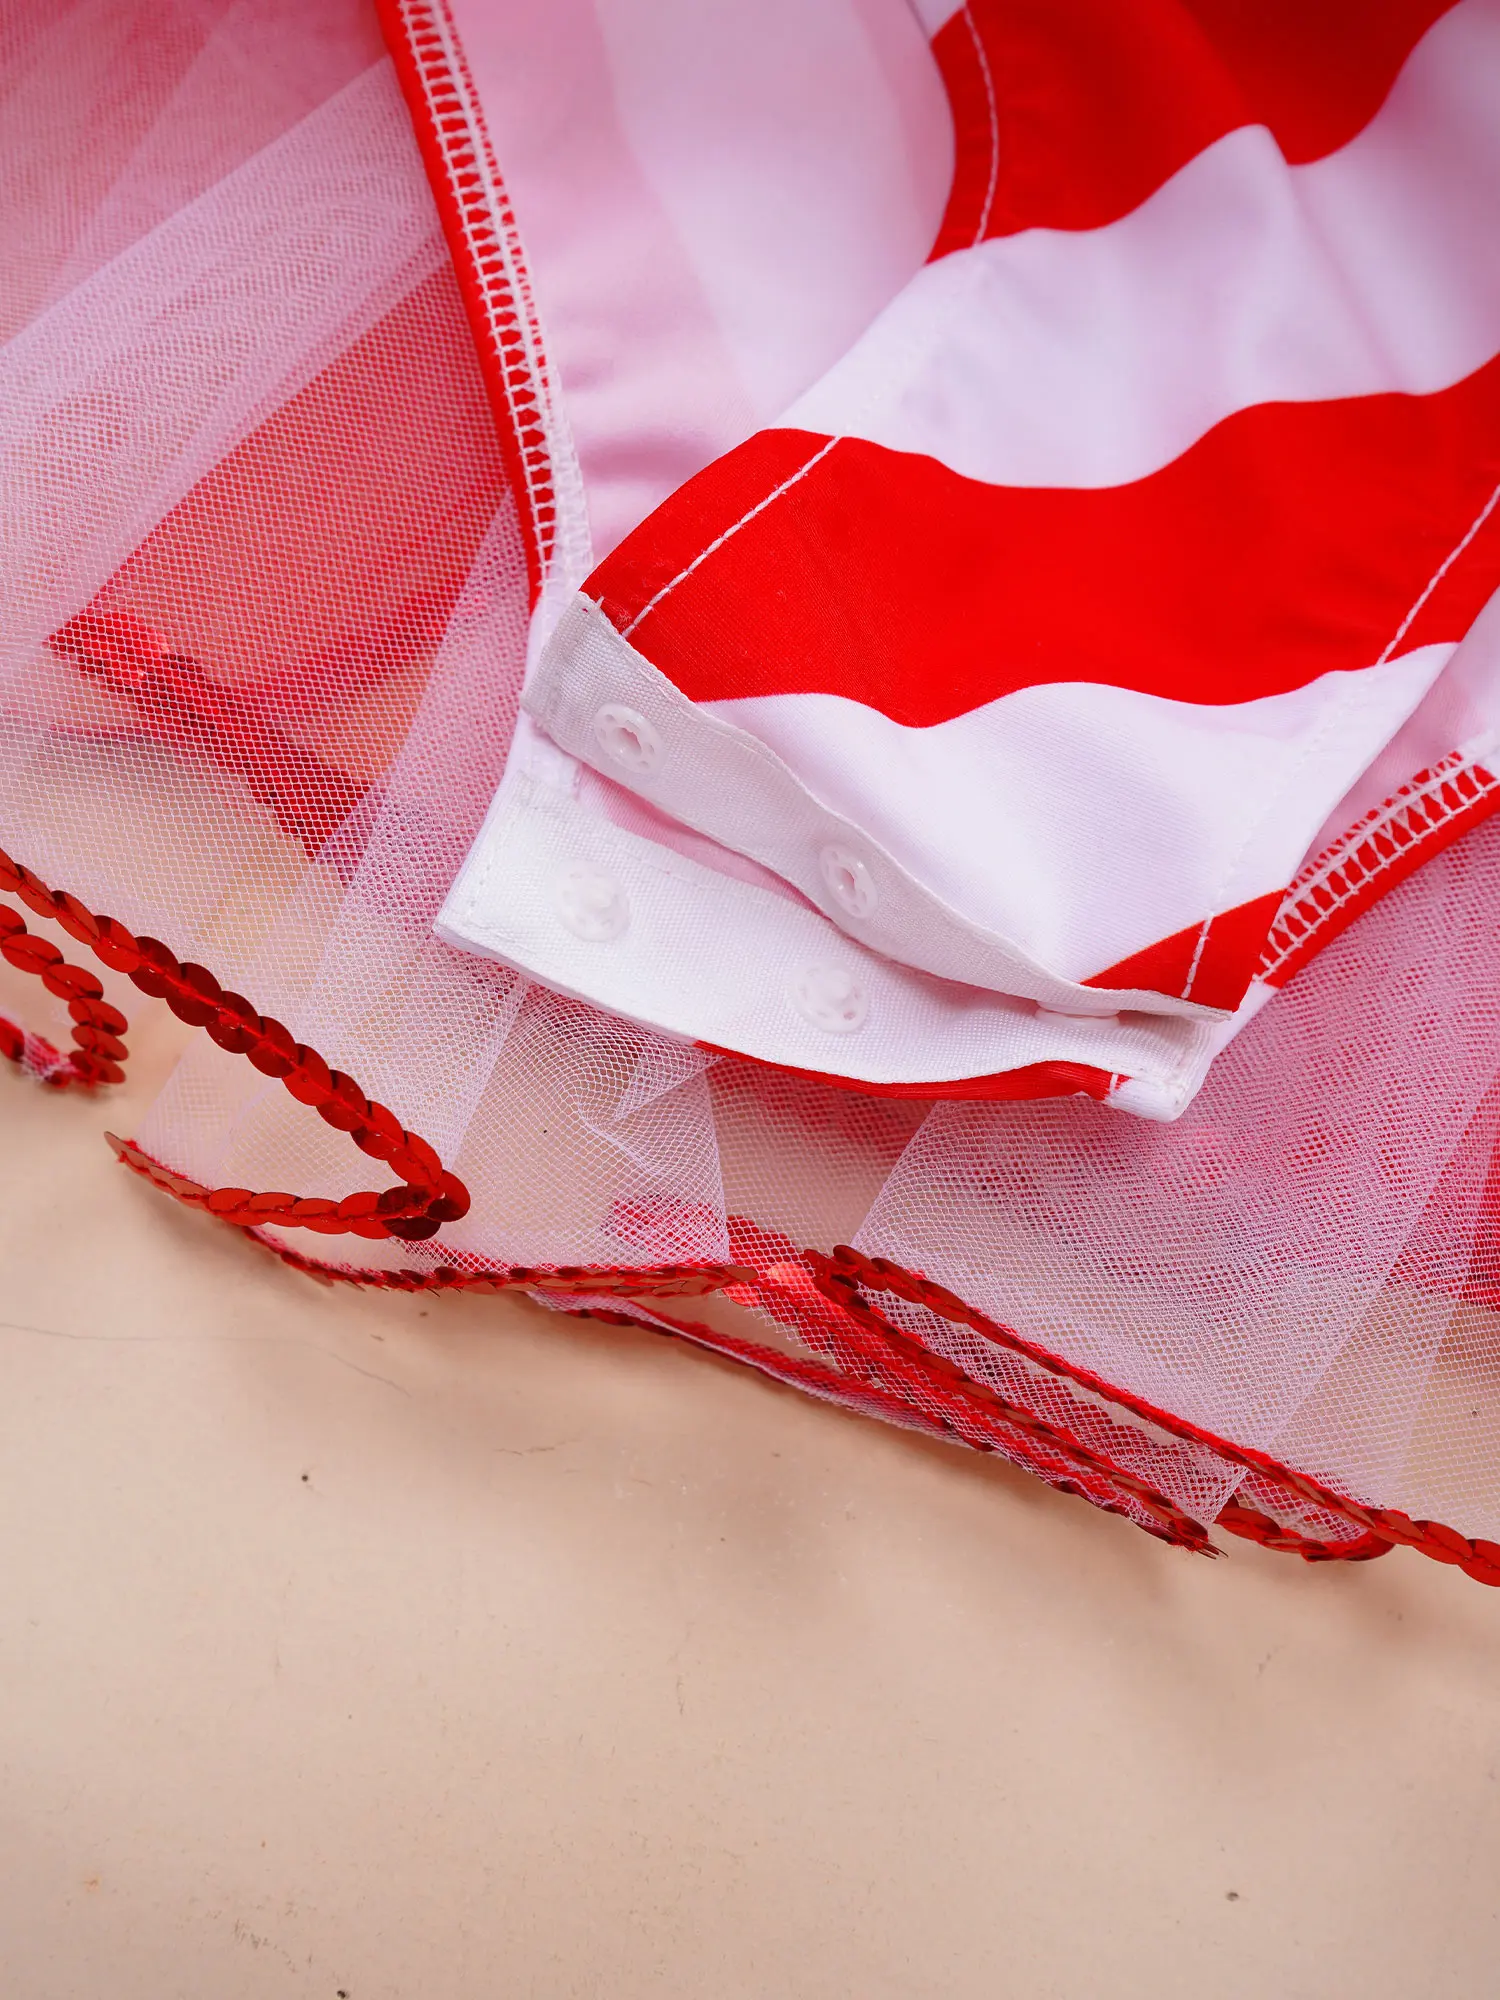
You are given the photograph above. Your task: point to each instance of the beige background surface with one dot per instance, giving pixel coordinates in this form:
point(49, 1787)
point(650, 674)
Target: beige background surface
point(419, 1650)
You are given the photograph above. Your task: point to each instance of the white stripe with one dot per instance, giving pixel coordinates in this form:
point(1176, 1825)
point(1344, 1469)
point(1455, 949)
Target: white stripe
point(934, 14)
point(1085, 822)
point(714, 201)
point(1090, 358)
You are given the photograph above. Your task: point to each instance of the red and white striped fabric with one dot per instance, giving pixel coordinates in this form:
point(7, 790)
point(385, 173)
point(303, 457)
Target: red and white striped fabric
point(993, 718)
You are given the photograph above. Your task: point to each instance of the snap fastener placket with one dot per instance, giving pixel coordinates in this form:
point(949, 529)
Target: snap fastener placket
point(592, 904)
point(848, 880)
point(831, 998)
point(626, 737)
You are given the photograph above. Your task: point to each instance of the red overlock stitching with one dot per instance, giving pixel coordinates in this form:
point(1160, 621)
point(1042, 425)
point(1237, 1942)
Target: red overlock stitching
point(1432, 810)
point(483, 242)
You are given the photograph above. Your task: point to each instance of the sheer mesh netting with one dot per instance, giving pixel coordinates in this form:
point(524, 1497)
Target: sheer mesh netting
point(265, 617)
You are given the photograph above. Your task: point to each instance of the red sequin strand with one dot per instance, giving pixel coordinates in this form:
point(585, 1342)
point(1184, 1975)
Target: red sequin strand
point(98, 1052)
point(417, 1208)
point(843, 1277)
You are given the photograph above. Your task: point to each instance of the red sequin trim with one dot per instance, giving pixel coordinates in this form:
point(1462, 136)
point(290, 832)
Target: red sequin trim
point(1253, 1526)
point(841, 1278)
point(428, 1197)
point(570, 1280)
point(98, 1052)
point(97, 1027)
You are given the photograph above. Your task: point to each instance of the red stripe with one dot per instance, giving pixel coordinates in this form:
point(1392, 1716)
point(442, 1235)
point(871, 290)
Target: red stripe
point(1069, 113)
point(1292, 540)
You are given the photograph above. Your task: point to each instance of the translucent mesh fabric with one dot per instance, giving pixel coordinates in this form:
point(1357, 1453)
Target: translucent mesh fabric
point(264, 621)
point(1285, 1262)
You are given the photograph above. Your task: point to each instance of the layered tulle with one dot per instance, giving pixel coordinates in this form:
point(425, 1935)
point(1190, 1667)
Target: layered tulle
point(265, 612)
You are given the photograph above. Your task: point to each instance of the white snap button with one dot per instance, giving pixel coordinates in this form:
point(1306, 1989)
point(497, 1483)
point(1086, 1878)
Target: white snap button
point(592, 905)
point(848, 881)
point(626, 737)
point(831, 998)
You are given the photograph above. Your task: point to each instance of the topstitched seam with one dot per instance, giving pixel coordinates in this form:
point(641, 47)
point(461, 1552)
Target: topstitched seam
point(1439, 573)
point(1192, 971)
point(982, 56)
point(732, 530)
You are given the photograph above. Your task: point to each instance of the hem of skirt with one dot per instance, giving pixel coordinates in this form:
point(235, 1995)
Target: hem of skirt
point(864, 1363)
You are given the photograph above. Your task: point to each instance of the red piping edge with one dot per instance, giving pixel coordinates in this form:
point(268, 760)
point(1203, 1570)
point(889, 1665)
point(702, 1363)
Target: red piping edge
point(908, 1384)
point(873, 1397)
point(1027, 1082)
point(683, 1281)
